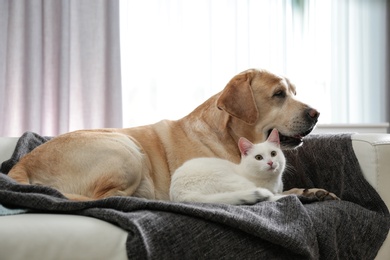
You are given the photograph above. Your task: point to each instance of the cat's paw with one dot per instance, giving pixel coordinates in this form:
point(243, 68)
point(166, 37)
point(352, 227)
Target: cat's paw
point(313, 193)
point(257, 195)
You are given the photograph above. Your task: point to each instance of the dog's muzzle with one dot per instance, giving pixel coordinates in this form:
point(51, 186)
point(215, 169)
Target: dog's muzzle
point(293, 141)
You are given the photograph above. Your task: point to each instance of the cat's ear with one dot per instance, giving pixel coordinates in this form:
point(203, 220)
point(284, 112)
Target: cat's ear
point(244, 145)
point(274, 137)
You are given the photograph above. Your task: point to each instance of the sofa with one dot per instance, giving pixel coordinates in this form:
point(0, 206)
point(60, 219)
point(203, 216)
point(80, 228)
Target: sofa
point(41, 229)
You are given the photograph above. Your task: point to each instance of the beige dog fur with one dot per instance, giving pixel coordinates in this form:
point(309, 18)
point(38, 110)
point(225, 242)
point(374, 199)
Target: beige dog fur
point(139, 161)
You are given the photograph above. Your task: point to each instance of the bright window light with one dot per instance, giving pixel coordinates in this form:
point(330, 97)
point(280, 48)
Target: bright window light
point(176, 54)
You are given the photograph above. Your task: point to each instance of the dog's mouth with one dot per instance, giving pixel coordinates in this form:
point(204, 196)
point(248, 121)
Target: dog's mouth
point(289, 142)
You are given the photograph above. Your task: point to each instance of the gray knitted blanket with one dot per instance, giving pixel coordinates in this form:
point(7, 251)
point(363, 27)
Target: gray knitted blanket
point(291, 228)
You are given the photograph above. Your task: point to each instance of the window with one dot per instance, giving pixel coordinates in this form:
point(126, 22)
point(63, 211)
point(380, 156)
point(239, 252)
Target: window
point(176, 54)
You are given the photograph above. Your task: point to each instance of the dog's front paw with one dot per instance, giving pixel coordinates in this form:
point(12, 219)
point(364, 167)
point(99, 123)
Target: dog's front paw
point(319, 194)
point(313, 194)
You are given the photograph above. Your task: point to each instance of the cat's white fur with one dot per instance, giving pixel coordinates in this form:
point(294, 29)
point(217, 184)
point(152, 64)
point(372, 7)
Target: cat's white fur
point(258, 177)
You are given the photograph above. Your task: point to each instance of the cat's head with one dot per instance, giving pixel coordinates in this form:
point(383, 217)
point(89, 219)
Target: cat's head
point(266, 156)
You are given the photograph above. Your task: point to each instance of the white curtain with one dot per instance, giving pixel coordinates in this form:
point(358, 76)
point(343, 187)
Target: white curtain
point(358, 61)
point(175, 54)
point(59, 66)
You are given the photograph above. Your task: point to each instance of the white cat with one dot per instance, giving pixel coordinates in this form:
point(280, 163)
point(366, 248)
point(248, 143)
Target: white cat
point(258, 177)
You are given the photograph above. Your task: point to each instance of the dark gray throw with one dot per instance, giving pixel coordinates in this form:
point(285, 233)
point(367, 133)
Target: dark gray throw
point(291, 228)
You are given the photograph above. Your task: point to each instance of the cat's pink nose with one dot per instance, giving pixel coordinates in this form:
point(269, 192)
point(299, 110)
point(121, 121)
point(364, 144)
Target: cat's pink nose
point(270, 163)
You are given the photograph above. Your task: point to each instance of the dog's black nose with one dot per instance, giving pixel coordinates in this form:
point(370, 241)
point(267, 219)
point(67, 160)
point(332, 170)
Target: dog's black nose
point(314, 114)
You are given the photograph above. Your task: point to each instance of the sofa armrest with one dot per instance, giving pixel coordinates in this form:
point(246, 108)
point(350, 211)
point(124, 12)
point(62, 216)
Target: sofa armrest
point(7, 147)
point(373, 153)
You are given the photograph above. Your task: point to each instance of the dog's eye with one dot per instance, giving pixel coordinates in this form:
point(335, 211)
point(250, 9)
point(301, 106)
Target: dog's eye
point(273, 153)
point(280, 94)
point(259, 157)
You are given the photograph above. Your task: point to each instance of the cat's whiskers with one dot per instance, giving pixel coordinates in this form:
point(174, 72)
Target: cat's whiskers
point(289, 169)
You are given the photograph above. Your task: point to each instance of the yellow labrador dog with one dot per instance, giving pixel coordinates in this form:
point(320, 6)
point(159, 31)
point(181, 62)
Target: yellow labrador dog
point(139, 161)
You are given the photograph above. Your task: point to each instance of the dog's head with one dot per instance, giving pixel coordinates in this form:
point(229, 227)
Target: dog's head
point(263, 101)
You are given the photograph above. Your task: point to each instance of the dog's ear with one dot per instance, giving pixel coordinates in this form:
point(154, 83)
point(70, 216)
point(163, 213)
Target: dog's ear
point(237, 99)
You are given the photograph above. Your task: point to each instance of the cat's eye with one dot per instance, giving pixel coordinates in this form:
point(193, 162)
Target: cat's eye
point(259, 157)
point(273, 153)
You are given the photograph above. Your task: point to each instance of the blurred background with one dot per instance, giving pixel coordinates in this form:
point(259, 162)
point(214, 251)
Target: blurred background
point(68, 65)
